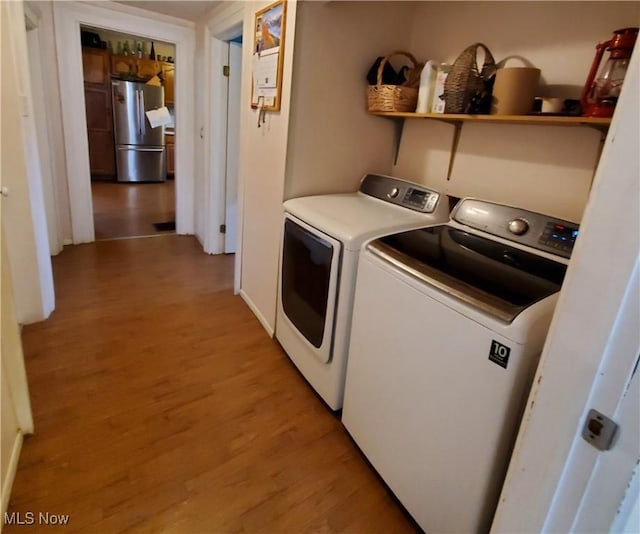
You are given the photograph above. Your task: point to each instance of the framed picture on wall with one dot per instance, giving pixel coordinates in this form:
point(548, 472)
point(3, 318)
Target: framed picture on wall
point(268, 54)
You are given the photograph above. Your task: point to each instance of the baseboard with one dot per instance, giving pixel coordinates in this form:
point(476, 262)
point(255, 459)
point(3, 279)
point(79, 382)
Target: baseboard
point(257, 313)
point(7, 483)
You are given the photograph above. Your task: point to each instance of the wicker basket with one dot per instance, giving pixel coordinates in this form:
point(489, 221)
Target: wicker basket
point(395, 97)
point(464, 80)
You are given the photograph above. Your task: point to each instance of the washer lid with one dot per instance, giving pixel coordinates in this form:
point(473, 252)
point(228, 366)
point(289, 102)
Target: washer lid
point(352, 218)
point(498, 279)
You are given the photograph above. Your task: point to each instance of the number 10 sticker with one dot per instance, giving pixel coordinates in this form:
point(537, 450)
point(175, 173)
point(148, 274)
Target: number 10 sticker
point(499, 353)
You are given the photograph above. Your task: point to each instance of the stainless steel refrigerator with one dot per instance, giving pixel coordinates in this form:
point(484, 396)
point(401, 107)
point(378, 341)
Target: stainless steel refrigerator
point(140, 149)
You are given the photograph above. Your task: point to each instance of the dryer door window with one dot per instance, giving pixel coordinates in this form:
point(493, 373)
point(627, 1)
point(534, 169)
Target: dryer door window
point(310, 262)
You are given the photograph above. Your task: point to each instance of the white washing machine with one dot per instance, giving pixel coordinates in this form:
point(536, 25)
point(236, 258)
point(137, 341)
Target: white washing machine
point(322, 239)
point(448, 325)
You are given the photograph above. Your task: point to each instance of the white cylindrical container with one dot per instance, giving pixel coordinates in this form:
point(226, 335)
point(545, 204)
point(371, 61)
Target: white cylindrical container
point(438, 104)
point(427, 86)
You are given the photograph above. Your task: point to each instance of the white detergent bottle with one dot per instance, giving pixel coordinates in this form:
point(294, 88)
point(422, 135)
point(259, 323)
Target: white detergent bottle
point(427, 85)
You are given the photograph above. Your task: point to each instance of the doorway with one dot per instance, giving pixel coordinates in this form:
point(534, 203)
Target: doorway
point(225, 82)
point(69, 17)
point(126, 77)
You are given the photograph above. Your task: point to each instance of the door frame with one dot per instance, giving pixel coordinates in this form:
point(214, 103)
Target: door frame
point(224, 24)
point(48, 168)
point(125, 19)
point(233, 146)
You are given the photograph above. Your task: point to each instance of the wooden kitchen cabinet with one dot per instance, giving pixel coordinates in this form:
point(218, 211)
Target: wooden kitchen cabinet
point(95, 65)
point(168, 74)
point(171, 155)
point(123, 65)
point(147, 68)
point(144, 68)
point(100, 129)
point(101, 153)
point(98, 107)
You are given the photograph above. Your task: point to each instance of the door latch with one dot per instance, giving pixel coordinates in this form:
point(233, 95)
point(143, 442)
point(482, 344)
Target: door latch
point(599, 430)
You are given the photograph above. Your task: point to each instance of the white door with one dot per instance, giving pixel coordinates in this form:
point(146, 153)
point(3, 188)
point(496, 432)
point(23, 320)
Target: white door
point(233, 132)
point(23, 213)
point(596, 482)
point(555, 481)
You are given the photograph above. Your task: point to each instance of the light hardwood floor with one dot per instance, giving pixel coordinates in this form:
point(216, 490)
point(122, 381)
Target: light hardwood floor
point(131, 209)
point(161, 405)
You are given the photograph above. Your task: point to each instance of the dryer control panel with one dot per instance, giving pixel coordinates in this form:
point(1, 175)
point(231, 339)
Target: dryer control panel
point(399, 192)
point(535, 230)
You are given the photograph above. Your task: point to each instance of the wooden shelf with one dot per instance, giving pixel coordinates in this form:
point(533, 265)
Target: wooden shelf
point(458, 119)
point(542, 120)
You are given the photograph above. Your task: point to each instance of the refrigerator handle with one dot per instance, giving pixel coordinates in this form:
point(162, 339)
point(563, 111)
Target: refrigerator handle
point(142, 125)
point(139, 149)
point(138, 111)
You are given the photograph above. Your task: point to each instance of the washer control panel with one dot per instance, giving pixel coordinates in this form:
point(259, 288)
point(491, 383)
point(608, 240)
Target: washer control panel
point(559, 236)
point(525, 227)
point(420, 199)
point(399, 192)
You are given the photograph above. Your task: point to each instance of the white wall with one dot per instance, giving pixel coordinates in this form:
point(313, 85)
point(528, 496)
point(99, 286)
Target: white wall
point(23, 217)
point(546, 169)
point(263, 154)
point(333, 141)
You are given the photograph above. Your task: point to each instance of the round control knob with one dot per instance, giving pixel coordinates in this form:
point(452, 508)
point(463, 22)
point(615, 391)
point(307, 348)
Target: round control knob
point(518, 226)
point(393, 193)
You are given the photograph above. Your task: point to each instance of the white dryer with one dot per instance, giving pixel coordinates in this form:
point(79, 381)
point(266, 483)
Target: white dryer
point(448, 325)
point(321, 242)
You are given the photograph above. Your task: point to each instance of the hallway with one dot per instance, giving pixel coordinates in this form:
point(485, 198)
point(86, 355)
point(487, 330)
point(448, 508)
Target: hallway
point(161, 405)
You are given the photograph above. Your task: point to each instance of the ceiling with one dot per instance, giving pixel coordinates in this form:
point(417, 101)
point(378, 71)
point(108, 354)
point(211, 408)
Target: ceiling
point(184, 9)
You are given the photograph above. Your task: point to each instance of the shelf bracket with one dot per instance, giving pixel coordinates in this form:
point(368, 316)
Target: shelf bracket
point(398, 125)
point(454, 147)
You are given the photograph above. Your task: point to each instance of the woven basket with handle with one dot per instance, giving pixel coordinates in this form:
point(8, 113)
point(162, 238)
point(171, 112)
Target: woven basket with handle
point(464, 79)
point(384, 97)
